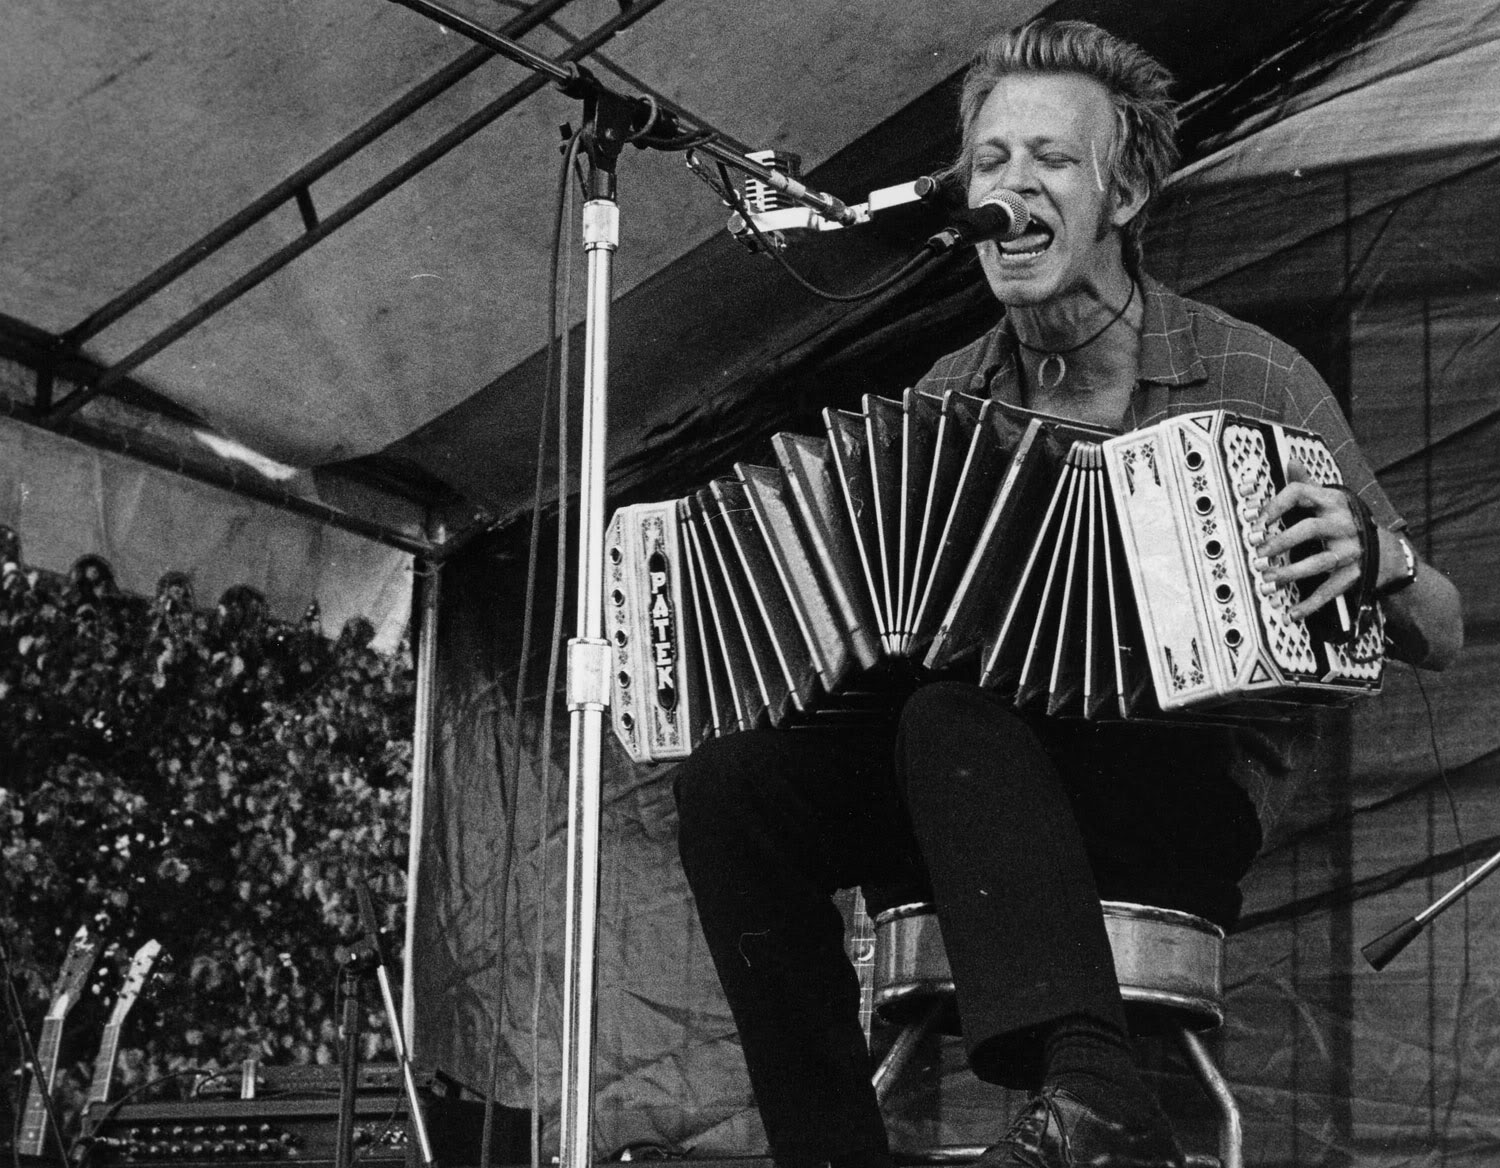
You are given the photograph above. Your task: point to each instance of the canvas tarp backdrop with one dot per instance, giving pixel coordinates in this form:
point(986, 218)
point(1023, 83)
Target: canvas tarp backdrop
point(1356, 222)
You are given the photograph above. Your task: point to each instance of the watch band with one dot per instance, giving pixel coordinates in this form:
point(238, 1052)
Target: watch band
point(1408, 576)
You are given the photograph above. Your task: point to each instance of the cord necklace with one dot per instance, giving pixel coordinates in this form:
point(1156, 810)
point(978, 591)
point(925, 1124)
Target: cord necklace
point(1057, 355)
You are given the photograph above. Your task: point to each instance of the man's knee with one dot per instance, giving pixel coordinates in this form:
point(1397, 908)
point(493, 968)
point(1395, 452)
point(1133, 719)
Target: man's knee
point(959, 741)
point(942, 716)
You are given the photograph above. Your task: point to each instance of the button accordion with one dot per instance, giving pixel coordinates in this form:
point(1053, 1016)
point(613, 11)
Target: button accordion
point(1084, 573)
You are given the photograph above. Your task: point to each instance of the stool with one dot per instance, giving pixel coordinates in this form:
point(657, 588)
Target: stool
point(1169, 965)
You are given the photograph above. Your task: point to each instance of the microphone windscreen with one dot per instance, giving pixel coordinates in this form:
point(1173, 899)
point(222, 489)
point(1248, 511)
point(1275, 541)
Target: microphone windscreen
point(1018, 217)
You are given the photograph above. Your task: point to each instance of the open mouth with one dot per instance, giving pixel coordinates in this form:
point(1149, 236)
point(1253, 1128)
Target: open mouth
point(1038, 238)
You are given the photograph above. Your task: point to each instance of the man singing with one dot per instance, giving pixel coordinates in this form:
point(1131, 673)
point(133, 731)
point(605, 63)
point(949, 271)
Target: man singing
point(1019, 825)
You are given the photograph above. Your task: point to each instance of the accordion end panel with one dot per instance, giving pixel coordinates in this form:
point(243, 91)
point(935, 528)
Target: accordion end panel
point(655, 700)
point(1188, 492)
point(1180, 633)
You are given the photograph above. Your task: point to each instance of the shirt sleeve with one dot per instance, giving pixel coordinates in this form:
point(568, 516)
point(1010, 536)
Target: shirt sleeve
point(1310, 404)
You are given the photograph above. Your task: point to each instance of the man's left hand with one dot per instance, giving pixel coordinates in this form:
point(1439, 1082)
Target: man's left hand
point(1322, 528)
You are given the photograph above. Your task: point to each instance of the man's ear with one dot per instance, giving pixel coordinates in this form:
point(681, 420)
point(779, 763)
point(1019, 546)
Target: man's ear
point(1128, 203)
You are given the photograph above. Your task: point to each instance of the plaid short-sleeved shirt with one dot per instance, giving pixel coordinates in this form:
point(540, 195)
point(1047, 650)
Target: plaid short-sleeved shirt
point(1195, 357)
point(1192, 357)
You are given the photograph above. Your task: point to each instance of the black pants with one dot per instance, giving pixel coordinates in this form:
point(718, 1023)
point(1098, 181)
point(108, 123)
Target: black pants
point(1016, 827)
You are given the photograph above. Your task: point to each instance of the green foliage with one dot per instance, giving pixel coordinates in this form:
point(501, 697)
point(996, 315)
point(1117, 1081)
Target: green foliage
point(210, 779)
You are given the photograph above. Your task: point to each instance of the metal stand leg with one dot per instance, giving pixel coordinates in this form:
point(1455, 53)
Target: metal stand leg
point(902, 1049)
point(1231, 1131)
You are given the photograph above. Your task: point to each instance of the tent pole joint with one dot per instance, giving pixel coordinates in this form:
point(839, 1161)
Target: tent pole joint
point(305, 206)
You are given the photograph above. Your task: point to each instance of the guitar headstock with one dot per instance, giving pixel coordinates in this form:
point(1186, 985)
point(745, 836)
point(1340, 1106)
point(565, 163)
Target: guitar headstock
point(83, 951)
point(135, 980)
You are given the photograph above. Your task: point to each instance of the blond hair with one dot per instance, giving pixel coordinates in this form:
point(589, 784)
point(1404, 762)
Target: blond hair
point(1145, 150)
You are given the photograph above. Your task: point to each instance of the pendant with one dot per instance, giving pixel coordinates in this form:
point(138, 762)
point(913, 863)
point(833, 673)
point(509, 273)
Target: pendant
point(1054, 361)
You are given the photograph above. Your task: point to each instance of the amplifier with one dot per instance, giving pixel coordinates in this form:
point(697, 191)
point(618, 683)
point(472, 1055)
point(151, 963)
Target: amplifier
point(285, 1130)
point(247, 1132)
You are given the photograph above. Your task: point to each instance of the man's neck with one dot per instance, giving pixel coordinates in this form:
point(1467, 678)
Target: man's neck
point(1100, 324)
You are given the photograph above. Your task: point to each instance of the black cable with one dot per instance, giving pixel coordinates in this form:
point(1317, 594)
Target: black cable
point(929, 252)
point(528, 609)
point(385, 1128)
point(544, 782)
point(1463, 852)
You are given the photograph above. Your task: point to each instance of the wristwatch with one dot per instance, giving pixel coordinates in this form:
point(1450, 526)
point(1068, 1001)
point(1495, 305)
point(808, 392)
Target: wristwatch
point(1408, 575)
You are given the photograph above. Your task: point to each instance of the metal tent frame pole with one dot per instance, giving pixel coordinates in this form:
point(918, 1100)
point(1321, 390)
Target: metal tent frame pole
point(430, 596)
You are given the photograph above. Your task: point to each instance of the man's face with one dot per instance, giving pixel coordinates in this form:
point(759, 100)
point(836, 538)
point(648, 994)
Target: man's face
point(1049, 138)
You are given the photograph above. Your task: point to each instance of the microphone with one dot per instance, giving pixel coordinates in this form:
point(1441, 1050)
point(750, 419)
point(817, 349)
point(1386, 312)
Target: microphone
point(1001, 215)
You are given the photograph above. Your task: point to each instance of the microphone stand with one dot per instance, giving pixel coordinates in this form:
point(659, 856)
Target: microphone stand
point(376, 949)
point(1381, 951)
point(354, 961)
point(610, 121)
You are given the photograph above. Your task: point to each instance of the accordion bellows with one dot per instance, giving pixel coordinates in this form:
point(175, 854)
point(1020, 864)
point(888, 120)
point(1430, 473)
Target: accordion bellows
point(1081, 573)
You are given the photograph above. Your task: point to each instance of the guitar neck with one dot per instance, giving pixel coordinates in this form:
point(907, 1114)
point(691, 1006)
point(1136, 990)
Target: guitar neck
point(33, 1138)
point(104, 1064)
point(862, 954)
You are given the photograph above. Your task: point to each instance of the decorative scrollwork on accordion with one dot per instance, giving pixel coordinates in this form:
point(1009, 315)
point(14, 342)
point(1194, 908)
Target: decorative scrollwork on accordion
point(1082, 573)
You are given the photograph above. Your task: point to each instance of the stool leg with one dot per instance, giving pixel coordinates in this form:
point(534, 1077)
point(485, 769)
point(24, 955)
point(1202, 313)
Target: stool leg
point(902, 1049)
point(1231, 1131)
